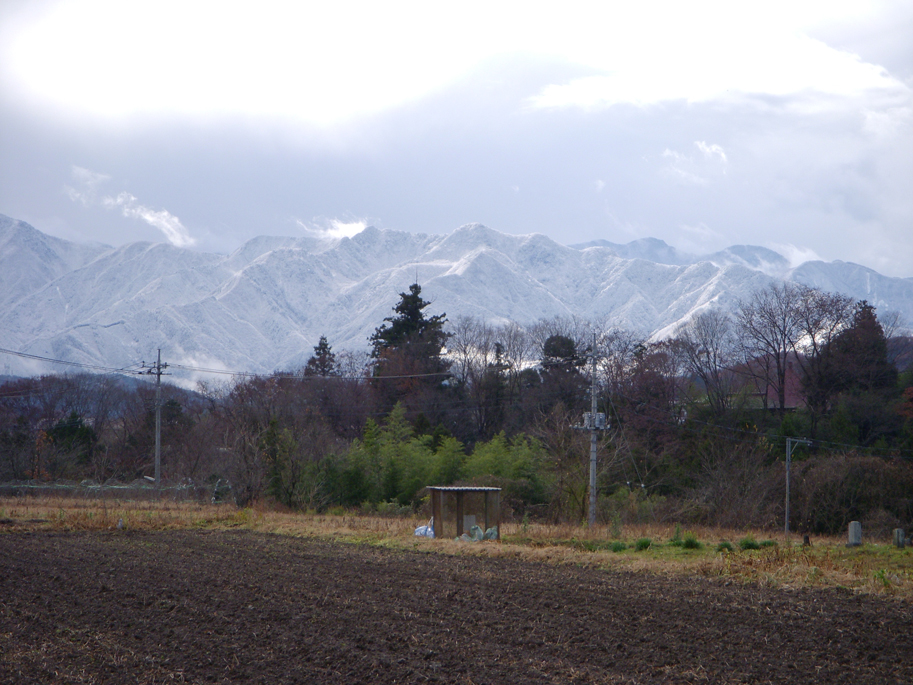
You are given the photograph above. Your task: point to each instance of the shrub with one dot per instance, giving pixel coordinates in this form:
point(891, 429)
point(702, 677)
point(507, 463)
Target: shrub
point(642, 544)
point(590, 545)
point(748, 543)
point(616, 526)
point(724, 547)
point(832, 491)
point(676, 540)
point(393, 508)
point(691, 542)
point(618, 547)
point(768, 543)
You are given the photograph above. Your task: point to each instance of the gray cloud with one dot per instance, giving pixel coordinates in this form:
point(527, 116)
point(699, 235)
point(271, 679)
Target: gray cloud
point(826, 170)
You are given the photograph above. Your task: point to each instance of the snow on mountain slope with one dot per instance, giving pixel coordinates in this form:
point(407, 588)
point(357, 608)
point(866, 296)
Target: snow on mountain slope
point(32, 259)
point(649, 249)
point(117, 284)
point(264, 306)
point(754, 257)
point(860, 283)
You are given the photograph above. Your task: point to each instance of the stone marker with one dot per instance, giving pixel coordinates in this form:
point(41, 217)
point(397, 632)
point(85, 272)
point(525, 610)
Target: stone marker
point(855, 534)
point(899, 539)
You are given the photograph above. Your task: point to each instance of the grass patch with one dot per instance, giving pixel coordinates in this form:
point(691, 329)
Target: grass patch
point(725, 546)
point(642, 544)
point(585, 544)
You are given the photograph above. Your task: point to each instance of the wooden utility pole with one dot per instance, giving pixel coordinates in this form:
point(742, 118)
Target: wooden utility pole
point(791, 444)
point(595, 422)
point(157, 369)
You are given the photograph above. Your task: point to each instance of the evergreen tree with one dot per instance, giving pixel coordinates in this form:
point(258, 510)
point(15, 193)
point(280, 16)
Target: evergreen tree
point(323, 361)
point(408, 352)
point(862, 351)
point(410, 329)
point(865, 380)
point(561, 380)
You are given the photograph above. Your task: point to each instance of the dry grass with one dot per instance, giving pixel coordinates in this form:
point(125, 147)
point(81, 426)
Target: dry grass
point(872, 568)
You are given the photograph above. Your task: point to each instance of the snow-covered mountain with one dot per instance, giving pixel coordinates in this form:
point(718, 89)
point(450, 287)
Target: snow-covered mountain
point(264, 306)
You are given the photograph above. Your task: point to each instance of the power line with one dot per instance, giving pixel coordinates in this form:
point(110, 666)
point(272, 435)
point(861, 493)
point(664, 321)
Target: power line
point(81, 365)
point(137, 369)
point(298, 376)
point(722, 430)
point(129, 369)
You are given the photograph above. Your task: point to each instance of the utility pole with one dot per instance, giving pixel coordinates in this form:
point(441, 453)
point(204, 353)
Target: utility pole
point(791, 444)
point(157, 369)
point(594, 422)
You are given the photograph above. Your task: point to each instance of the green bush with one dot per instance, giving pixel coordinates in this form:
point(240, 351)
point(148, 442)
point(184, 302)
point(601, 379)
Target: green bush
point(676, 540)
point(768, 543)
point(616, 526)
point(642, 544)
point(618, 547)
point(691, 542)
point(748, 543)
point(392, 508)
point(724, 547)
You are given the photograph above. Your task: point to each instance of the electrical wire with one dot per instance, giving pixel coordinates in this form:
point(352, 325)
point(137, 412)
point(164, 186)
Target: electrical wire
point(289, 374)
point(81, 365)
point(139, 369)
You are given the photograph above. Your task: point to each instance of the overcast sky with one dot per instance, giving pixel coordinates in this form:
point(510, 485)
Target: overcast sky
point(788, 125)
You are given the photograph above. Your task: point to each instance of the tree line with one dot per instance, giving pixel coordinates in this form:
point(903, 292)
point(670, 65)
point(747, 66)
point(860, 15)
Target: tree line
point(696, 422)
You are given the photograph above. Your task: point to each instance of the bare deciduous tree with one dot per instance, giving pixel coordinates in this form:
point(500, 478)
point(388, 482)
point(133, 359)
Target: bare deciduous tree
point(822, 317)
point(769, 327)
point(708, 346)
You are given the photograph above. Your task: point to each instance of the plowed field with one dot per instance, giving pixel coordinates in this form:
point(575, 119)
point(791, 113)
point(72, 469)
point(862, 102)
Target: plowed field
point(226, 607)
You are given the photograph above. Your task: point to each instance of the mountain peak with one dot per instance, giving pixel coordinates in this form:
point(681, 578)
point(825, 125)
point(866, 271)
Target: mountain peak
point(264, 306)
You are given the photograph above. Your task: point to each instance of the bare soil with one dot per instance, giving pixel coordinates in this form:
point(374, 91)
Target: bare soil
point(240, 607)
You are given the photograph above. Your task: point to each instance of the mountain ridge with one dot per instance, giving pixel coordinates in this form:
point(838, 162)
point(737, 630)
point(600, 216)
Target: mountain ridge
point(264, 306)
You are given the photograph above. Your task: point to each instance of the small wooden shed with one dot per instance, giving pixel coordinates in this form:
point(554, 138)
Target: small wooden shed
point(458, 508)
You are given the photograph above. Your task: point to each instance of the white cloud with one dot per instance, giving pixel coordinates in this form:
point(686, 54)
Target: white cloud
point(599, 185)
point(699, 238)
point(795, 255)
point(887, 123)
point(334, 228)
point(683, 176)
point(89, 182)
point(685, 169)
point(77, 196)
point(711, 150)
point(729, 52)
point(329, 62)
point(701, 231)
point(346, 229)
point(676, 169)
point(162, 219)
point(91, 179)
